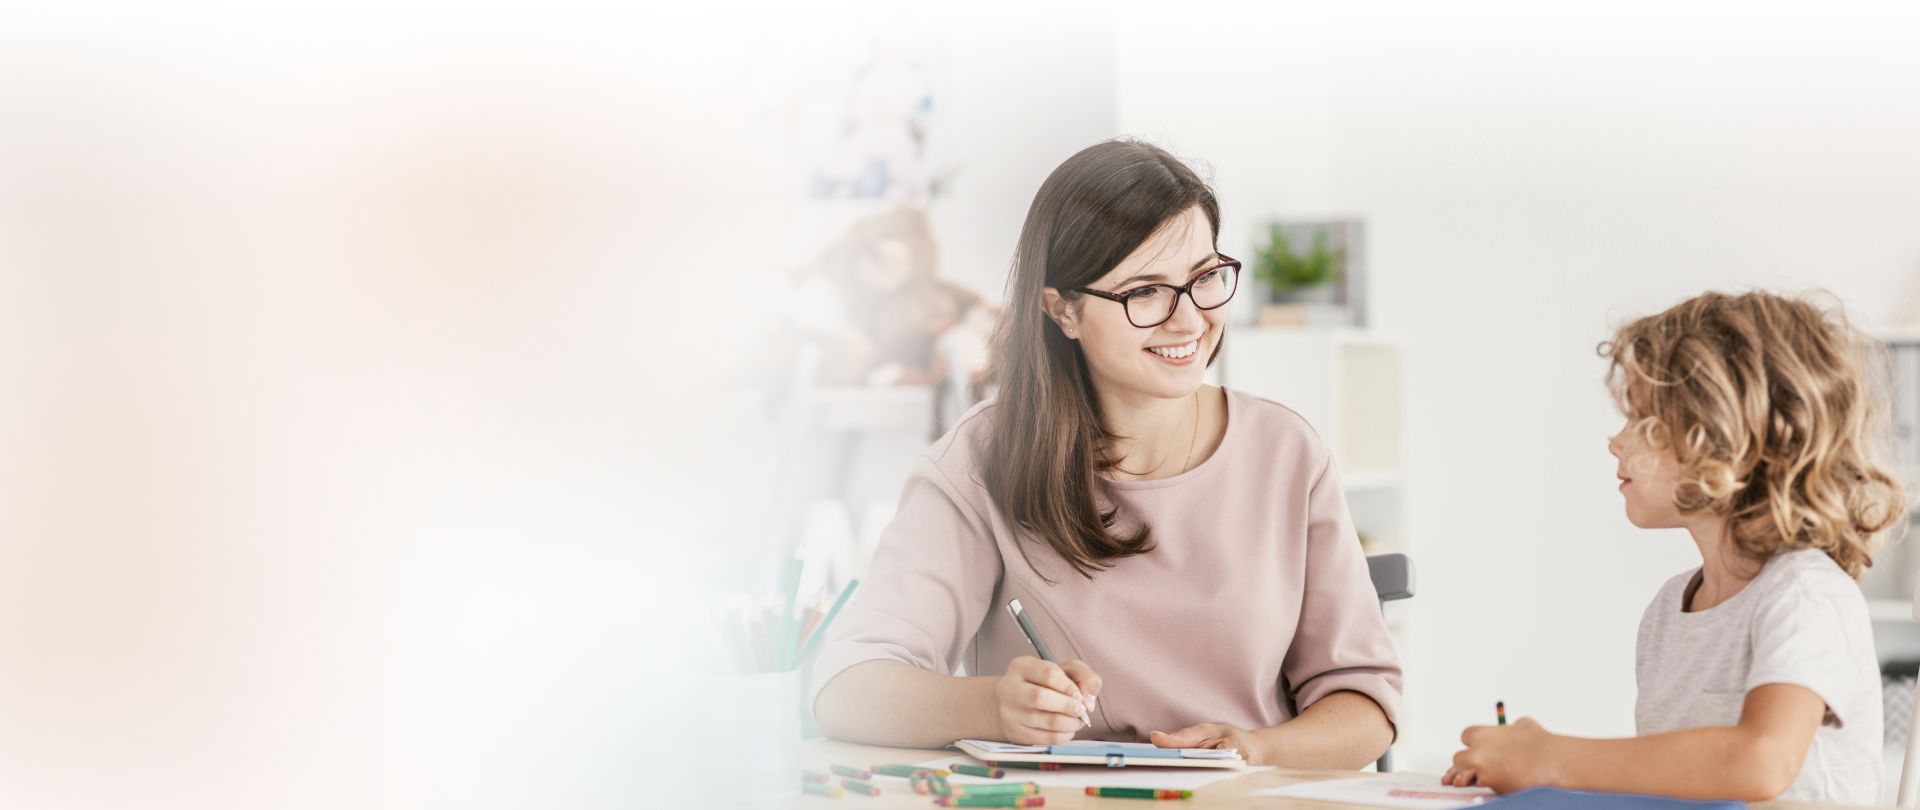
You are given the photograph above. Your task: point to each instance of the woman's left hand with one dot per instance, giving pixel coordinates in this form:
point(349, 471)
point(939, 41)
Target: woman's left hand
point(1215, 735)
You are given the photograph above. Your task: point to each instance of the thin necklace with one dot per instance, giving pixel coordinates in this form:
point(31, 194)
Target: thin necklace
point(1192, 442)
point(1195, 435)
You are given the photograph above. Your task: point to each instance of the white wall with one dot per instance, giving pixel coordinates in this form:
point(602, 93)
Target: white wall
point(1026, 93)
point(1528, 182)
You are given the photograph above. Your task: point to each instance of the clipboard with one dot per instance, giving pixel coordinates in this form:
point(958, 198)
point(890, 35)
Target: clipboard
point(1109, 754)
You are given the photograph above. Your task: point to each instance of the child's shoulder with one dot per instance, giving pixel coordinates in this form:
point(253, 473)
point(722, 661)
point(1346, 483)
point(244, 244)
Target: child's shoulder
point(1806, 571)
point(1793, 575)
point(1794, 581)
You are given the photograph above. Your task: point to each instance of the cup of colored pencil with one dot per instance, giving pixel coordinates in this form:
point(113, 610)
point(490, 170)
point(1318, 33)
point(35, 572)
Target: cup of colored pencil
point(778, 633)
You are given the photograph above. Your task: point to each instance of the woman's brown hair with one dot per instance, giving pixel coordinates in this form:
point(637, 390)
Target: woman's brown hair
point(1781, 429)
point(1046, 444)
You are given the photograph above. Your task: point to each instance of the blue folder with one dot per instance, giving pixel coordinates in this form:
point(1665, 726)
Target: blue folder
point(1546, 798)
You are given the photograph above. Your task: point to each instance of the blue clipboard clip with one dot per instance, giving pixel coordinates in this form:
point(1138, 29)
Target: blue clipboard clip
point(1116, 754)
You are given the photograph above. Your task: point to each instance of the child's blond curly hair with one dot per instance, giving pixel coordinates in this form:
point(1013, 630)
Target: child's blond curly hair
point(1782, 430)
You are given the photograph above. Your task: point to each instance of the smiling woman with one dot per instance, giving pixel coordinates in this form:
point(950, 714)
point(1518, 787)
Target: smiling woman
point(1161, 533)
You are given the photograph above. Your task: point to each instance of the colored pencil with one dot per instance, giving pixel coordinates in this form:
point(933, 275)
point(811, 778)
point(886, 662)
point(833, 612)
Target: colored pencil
point(851, 772)
point(980, 770)
point(820, 632)
point(1138, 793)
point(991, 801)
point(1029, 766)
point(1002, 789)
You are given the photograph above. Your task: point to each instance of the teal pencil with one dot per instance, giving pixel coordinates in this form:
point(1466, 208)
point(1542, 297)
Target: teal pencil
point(813, 641)
point(783, 639)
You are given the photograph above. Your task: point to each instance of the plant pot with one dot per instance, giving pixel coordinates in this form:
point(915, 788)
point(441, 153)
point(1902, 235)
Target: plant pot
point(1316, 294)
point(1300, 315)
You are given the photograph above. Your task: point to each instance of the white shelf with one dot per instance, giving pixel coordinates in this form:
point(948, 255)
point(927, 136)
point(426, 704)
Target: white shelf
point(1906, 335)
point(1890, 610)
point(1344, 382)
point(1369, 481)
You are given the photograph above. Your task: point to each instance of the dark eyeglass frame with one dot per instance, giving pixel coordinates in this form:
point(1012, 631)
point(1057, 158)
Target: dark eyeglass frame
point(1183, 289)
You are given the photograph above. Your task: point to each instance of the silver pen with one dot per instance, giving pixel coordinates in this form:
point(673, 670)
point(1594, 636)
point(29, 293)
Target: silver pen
point(1040, 647)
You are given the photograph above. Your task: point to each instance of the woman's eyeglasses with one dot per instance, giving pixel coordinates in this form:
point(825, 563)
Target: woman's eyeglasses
point(1152, 304)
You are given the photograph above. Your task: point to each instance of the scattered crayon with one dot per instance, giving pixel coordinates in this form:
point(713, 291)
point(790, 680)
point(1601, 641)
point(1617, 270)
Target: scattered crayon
point(1003, 789)
point(1138, 793)
point(908, 770)
point(851, 772)
point(817, 789)
point(980, 770)
point(858, 786)
point(814, 777)
point(991, 803)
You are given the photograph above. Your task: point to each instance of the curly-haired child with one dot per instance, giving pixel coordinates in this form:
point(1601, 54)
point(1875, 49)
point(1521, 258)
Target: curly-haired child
point(1751, 421)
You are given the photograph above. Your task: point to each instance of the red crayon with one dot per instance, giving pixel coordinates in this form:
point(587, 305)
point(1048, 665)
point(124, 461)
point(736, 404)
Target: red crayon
point(1030, 766)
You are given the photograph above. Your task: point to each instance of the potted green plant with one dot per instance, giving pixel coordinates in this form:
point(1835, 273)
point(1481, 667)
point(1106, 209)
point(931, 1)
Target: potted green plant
point(1302, 285)
point(1294, 276)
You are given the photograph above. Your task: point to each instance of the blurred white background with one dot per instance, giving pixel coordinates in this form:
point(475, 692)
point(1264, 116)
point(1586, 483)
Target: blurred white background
point(379, 384)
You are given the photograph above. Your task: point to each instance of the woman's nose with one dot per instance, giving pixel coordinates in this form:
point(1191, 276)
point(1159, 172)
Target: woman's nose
point(1185, 313)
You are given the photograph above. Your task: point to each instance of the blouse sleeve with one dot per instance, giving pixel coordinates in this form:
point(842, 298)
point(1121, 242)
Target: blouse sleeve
point(1342, 641)
point(927, 591)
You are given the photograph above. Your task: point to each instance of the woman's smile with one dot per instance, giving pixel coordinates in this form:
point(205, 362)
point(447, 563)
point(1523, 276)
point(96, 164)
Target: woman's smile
point(1178, 354)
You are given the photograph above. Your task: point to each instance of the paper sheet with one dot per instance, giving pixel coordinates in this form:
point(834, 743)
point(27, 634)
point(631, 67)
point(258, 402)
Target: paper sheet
point(1408, 791)
point(994, 747)
point(1007, 747)
point(1080, 776)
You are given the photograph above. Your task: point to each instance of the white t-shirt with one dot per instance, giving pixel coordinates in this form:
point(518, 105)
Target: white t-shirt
point(1801, 621)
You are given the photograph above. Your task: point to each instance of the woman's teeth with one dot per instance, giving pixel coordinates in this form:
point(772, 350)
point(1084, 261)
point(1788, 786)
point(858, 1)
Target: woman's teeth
point(1176, 352)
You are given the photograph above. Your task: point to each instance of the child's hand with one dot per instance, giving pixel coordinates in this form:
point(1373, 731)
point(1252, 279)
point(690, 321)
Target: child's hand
point(1041, 702)
point(1505, 758)
point(1214, 735)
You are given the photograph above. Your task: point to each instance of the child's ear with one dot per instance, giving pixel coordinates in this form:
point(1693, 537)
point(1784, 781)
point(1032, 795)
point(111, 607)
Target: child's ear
point(1064, 313)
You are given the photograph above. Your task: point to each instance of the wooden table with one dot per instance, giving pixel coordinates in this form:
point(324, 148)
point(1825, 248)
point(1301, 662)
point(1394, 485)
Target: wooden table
point(1235, 792)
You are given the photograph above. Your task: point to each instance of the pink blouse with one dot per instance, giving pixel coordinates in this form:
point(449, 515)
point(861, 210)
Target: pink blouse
point(1254, 604)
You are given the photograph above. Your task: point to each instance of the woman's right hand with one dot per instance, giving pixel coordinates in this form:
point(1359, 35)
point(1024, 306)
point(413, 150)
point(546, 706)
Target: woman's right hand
point(1041, 702)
